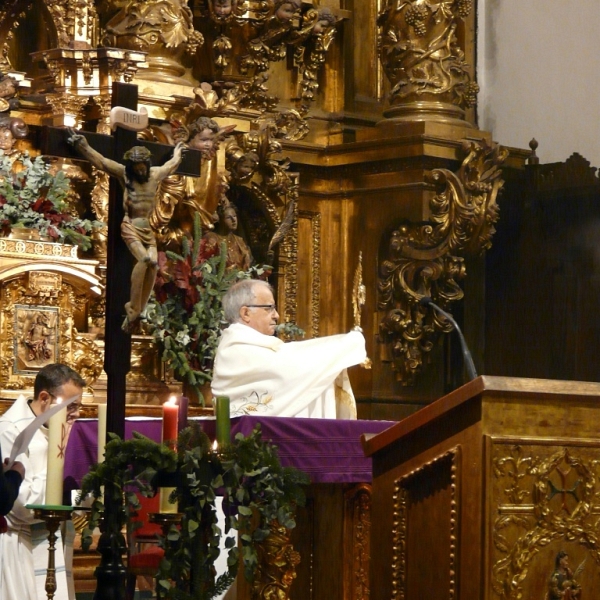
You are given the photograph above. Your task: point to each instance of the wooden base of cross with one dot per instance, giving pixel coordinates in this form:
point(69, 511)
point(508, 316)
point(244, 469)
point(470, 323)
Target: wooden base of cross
point(117, 349)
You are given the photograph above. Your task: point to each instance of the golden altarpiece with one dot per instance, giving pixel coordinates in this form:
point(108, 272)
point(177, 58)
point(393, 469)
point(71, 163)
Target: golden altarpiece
point(344, 129)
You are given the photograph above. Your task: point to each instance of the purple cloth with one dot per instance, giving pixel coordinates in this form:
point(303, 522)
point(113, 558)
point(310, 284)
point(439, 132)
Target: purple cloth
point(327, 450)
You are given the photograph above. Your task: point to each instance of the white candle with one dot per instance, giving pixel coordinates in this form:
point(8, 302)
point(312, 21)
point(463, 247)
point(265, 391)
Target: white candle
point(57, 445)
point(101, 431)
point(166, 506)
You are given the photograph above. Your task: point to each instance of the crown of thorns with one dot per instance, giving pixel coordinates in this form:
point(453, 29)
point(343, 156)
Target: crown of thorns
point(138, 154)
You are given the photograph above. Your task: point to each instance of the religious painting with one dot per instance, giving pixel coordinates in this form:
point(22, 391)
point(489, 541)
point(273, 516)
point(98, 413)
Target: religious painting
point(36, 339)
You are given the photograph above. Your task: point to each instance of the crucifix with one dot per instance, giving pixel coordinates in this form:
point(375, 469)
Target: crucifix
point(117, 350)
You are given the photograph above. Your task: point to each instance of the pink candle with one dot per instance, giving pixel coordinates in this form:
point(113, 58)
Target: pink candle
point(102, 414)
point(169, 425)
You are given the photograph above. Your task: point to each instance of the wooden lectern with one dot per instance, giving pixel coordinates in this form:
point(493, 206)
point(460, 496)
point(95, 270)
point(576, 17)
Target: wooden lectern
point(492, 492)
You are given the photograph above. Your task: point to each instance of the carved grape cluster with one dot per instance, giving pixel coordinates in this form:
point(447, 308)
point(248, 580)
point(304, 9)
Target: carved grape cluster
point(471, 91)
point(416, 15)
point(464, 8)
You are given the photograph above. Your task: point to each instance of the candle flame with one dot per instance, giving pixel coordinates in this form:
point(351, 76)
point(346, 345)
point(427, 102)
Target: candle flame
point(59, 400)
point(215, 446)
point(172, 401)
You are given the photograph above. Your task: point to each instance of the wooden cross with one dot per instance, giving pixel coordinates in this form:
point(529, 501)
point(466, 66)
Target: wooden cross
point(110, 574)
point(117, 349)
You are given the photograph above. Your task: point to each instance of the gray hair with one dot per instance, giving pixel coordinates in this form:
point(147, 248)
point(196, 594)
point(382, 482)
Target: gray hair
point(241, 294)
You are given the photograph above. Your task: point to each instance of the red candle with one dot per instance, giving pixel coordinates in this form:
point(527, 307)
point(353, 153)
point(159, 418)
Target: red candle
point(169, 424)
point(169, 434)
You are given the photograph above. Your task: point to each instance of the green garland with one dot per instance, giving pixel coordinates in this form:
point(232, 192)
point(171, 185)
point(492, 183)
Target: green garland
point(185, 314)
point(256, 491)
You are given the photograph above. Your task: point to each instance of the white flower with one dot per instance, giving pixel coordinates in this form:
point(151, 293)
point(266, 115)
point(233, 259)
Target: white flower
point(182, 336)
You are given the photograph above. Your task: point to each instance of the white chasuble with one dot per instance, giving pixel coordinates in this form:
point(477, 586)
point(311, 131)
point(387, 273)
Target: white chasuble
point(262, 375)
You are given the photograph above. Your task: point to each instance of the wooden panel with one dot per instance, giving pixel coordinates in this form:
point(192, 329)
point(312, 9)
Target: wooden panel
point(425, 531)
point(542, 281)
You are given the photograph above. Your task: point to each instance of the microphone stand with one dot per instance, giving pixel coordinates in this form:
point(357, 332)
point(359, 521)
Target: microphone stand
point(468, 359)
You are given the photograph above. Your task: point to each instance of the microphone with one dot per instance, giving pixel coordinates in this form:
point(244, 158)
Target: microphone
point(468, 359)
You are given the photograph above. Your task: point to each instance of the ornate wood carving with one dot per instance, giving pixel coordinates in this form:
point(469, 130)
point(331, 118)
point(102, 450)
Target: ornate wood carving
point(276, 570)
point(37, 327)
point(545, 498)
point(357, 546)
point(422, 259)
point(423, 60)
point(315, 271)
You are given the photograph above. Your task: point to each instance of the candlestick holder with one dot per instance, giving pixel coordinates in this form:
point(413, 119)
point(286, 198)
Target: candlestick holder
point(52, 516)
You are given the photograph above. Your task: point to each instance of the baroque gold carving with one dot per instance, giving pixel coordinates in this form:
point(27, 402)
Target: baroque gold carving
point(449, 461)
point(73, 19)
point(276, 569)
point(241, 165)
point(162, 28)
point(422, 58)
point(260, 33)
point(38, 249)
point(315, 297)
point(422, 259)
point(546, 496)
point(99, 204)
point(37, 327)
point(357, 542)
point(67, 106)
point(310, 56)
point(45, 284)
point(88, 358)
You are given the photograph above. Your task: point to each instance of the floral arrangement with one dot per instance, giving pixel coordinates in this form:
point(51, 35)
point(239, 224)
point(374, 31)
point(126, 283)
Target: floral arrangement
point(32, 196)
point(185, 315)
point(257, 493)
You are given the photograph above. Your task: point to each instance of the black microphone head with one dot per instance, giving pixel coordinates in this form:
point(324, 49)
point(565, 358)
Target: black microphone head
point(425, 301)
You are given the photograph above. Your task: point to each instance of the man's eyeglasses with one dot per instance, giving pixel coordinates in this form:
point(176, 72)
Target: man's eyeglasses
point(267, 307)
point(73, 407)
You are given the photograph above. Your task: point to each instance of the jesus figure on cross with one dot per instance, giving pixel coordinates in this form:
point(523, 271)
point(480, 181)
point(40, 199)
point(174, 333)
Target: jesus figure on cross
point(140, 183)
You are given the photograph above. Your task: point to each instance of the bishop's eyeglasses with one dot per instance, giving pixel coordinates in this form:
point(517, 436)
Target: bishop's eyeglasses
point(267, 307)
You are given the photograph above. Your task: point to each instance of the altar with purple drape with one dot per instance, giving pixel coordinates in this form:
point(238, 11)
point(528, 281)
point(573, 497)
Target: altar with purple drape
point(328, 451)
point(333, 530)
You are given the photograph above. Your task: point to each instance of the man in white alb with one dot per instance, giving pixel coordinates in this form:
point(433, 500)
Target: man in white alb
point(24, 546)
point(264, 376)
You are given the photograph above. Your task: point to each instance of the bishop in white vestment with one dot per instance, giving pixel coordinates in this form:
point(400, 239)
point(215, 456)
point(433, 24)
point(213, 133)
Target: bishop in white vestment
point(262, 375)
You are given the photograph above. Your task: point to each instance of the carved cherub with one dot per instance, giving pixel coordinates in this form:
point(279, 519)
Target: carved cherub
point(11, 130)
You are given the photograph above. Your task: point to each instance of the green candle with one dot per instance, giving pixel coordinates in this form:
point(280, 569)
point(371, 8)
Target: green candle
point(223, 421)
